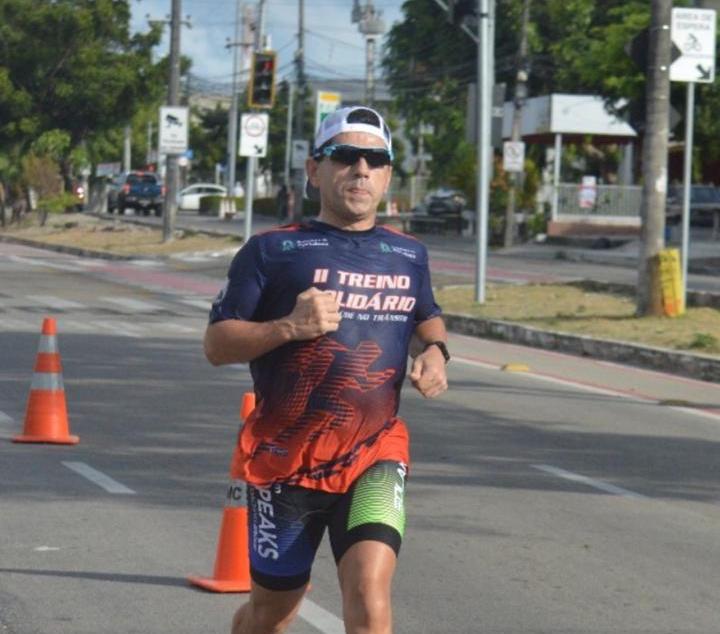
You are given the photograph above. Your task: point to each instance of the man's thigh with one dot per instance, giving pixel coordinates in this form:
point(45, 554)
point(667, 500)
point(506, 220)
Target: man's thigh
point(372, 509)
point(286, 526)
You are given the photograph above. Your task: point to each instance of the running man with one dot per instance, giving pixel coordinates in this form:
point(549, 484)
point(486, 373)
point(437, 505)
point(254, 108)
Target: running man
point(325, 313)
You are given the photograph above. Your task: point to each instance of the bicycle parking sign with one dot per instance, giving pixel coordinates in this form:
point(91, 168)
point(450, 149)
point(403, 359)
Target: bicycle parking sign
point(693, 45)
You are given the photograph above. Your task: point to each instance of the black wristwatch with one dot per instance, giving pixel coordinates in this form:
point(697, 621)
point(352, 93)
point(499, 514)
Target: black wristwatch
point(442, 346)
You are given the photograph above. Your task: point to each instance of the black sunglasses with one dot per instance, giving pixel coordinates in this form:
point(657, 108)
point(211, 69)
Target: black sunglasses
point(351, 154)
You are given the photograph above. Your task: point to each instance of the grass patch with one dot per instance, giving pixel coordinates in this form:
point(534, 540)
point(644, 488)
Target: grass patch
point(116, 236)
point(572, 309)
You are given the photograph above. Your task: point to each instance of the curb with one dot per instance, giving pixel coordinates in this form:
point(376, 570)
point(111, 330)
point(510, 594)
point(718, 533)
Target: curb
point(703, 367)
point(62, 248)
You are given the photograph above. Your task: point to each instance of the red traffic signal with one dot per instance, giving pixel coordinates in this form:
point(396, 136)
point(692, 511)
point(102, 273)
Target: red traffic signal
point(261, 91)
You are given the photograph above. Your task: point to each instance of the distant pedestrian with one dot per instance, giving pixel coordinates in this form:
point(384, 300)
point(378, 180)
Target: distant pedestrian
point(325, 312)
point(281, 204)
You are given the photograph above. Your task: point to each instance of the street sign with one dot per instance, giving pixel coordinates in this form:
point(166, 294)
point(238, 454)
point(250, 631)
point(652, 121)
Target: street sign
point(173, 137)
point(254, 134)
point(300, 151)
point(514, 156)
point(325, 103)
point(693, 45)
point(108, 169)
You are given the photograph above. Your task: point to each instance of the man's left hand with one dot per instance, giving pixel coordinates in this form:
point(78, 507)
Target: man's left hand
point(428, 373)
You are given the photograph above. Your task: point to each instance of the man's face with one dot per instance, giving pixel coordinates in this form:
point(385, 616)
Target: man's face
point(350, 194)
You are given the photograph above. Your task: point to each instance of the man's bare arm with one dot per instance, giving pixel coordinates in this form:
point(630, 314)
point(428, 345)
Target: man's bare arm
point(428, 373)
point(237, 341)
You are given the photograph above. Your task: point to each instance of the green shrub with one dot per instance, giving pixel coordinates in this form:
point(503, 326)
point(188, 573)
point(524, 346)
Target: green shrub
point(703, 341)
point(211, 204)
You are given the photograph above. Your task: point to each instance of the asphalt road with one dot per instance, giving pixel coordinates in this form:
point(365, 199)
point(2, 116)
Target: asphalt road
point(452, 257)
point(575, 496)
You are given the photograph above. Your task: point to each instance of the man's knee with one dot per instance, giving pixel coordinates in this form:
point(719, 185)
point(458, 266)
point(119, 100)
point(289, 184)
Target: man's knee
point(268, 612)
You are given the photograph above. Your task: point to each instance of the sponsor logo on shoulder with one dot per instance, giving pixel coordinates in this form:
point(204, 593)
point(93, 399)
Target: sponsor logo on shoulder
point(311, 243)
point(408, 253)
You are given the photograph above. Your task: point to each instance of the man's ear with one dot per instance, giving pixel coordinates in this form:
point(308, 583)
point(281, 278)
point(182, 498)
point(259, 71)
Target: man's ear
point(311, 168)
point(389, 178)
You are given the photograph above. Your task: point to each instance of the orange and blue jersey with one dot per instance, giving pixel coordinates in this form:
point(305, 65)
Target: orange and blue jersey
point(327, 407)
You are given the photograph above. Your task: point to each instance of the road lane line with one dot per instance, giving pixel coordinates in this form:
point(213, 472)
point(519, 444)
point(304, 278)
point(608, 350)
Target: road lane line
point(704, 412)
point(134, 305)
point(204, 304)
point(99, 478)
point(44, 263)
point(7, 424)
point(320, 618)
point(591, 482)
point(112, 328)
point(52, 301)
point(180, 328)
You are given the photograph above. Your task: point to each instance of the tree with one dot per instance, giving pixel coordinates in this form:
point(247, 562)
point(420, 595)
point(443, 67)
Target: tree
point(655, 148)
point(71, 65)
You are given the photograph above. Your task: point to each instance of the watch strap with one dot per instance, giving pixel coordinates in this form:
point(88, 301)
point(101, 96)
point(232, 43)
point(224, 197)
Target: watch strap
point(443, 348)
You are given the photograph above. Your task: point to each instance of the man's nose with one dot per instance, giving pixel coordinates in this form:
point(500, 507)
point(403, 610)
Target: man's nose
point(361, 166)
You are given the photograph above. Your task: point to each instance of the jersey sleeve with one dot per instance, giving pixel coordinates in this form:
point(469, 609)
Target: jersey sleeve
point(426, 307)
point(240, 296)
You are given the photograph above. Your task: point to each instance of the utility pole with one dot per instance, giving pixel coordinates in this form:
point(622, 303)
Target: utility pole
point(172, 173)
point(370, 25)
point(299, 180)
point(484, 10)
point(250, 160)
point(655, 152)
point(288, 133)
point(127, 142)
point(149, 147)
point(484, 154)
point(521, 78)
point(233, 114)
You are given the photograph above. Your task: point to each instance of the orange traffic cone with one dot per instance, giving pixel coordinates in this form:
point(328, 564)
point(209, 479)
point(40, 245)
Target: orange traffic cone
point(46, 418)
point(232, 560)
point(247, 406)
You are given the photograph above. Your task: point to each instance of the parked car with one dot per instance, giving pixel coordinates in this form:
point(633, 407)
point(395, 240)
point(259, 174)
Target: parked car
point(140, 191)
point(189, 198)
point(704, 204)
point(444, 202)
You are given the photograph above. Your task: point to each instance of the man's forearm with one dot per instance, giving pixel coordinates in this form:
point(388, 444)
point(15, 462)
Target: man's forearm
point(237, 341)
point(425, 332)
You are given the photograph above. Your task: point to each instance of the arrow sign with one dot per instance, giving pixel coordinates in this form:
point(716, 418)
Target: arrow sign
point(705, 73)
point(693, 45)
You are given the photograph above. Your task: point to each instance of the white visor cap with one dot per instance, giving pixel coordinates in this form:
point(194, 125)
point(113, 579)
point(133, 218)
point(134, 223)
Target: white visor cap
point(348, 119)
point(353, 119)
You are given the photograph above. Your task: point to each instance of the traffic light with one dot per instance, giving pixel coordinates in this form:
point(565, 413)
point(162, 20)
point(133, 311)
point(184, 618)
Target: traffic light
point(261, 92)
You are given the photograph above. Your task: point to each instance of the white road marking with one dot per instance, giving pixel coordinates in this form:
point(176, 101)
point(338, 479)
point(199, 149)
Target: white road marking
point(5, 420)
point(45, 549)
point(99, 478)
point(14, 324)
point(44, 263)
point(54, 302)
point(197, 303)
point(180, 327)
point(704, 413)
point(320, 618)
point(591, 482)
point(135, 305)
point(116, 328)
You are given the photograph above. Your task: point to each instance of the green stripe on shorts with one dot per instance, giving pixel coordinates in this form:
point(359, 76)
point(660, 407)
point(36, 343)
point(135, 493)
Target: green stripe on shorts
point(379, 497)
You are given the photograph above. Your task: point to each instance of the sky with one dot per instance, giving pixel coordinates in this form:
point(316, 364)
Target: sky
point(334, 48)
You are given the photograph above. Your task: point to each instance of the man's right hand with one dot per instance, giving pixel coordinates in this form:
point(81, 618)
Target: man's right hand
point(316, 313)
